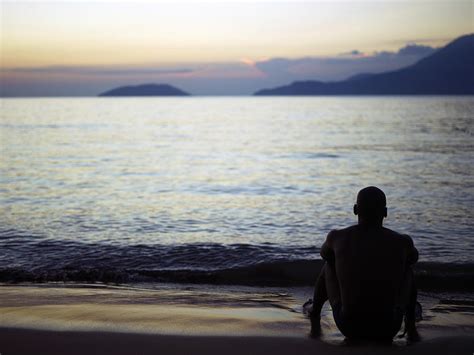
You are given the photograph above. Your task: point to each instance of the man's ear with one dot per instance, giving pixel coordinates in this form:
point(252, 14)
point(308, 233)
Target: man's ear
point(355, 209)
point(385, 212)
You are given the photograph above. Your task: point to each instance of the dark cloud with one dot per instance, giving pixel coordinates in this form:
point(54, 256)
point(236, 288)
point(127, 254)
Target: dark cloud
point(354, 53)
point(416, 50)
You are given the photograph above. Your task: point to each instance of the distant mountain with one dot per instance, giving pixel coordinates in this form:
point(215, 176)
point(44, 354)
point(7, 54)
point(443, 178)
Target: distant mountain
point(448, 71)
point(146, 90)
point(359, 76)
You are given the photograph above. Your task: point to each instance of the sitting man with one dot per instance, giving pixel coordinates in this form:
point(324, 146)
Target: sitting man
point(368, 276)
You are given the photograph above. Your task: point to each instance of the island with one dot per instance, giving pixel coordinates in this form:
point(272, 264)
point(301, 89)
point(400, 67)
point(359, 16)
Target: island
point(448, 71)
point(146, 90)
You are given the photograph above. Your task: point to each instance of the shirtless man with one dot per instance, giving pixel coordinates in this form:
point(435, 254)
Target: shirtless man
point(367, 277)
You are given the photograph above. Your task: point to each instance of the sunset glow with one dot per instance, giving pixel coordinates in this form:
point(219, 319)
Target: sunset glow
point(195, 35)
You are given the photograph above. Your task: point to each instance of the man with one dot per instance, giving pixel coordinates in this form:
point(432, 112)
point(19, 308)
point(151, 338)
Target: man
point(367, 276)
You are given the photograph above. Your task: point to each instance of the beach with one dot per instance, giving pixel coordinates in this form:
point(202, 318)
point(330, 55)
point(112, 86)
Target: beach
point(171, 229)
point(189, 177)
point(204, 319)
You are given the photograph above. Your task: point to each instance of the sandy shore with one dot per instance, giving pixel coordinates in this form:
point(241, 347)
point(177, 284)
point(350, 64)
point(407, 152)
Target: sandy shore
point(90, 319)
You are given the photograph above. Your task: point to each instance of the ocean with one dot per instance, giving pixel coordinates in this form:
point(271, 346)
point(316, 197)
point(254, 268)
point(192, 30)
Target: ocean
point(209, 189)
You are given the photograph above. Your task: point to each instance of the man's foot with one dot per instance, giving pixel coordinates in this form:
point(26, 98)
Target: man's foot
point(315, 326)
point(314, 315)
point(412, 333)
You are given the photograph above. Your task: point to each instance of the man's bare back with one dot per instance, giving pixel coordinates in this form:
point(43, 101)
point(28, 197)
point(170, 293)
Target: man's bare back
point(370, 264)
point(367, 277)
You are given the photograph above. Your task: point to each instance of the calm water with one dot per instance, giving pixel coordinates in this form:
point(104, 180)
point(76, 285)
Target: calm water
point(220, 182)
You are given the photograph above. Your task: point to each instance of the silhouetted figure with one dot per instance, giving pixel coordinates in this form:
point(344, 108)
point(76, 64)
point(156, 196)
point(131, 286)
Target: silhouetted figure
point(368, 277)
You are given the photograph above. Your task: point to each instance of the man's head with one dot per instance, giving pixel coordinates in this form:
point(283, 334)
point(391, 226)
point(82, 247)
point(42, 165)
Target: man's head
point(371, 206)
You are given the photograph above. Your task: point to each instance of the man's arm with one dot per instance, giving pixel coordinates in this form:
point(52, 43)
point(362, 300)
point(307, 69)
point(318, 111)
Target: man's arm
point(412, 254)
point(327, 252)
point(320, 293)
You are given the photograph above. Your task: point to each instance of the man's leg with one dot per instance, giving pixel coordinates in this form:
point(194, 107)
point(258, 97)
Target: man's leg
point(326, 288)
point(320, 295)
point(408, 300)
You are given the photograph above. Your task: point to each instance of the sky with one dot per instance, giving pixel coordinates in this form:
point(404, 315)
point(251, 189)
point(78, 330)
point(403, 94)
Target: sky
point(63, 48)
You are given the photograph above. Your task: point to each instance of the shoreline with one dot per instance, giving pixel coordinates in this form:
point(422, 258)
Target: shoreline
point(430, 276)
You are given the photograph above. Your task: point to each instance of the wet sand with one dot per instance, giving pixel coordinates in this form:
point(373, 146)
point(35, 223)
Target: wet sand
point(24, 341)
point(87, 319)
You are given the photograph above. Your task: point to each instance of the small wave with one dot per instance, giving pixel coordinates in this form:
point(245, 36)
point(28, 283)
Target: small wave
point(50, 254)
point(34, 258)
point(52, 126)
point(249, 190)
point(429, 276)
point(311, 155)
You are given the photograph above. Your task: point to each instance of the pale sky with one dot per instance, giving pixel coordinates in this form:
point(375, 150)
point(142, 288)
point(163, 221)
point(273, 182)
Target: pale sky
point(213, 36)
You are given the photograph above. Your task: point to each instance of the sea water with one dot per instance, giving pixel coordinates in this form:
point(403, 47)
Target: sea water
point(213, 183)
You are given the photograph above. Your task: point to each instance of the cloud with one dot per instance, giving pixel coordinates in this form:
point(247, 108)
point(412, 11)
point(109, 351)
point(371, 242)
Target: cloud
point(240, 69)
point(98, 70)
point(416, 50)
point(344, 65)
point(353, 53)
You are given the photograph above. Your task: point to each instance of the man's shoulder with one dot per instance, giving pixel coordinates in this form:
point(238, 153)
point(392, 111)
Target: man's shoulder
point(404, 242)
point(340, 233)
point(399, 236)
point(334, 240)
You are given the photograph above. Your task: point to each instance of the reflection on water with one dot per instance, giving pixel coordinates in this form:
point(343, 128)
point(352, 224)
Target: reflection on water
point(162, 311)
point(261, 171)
